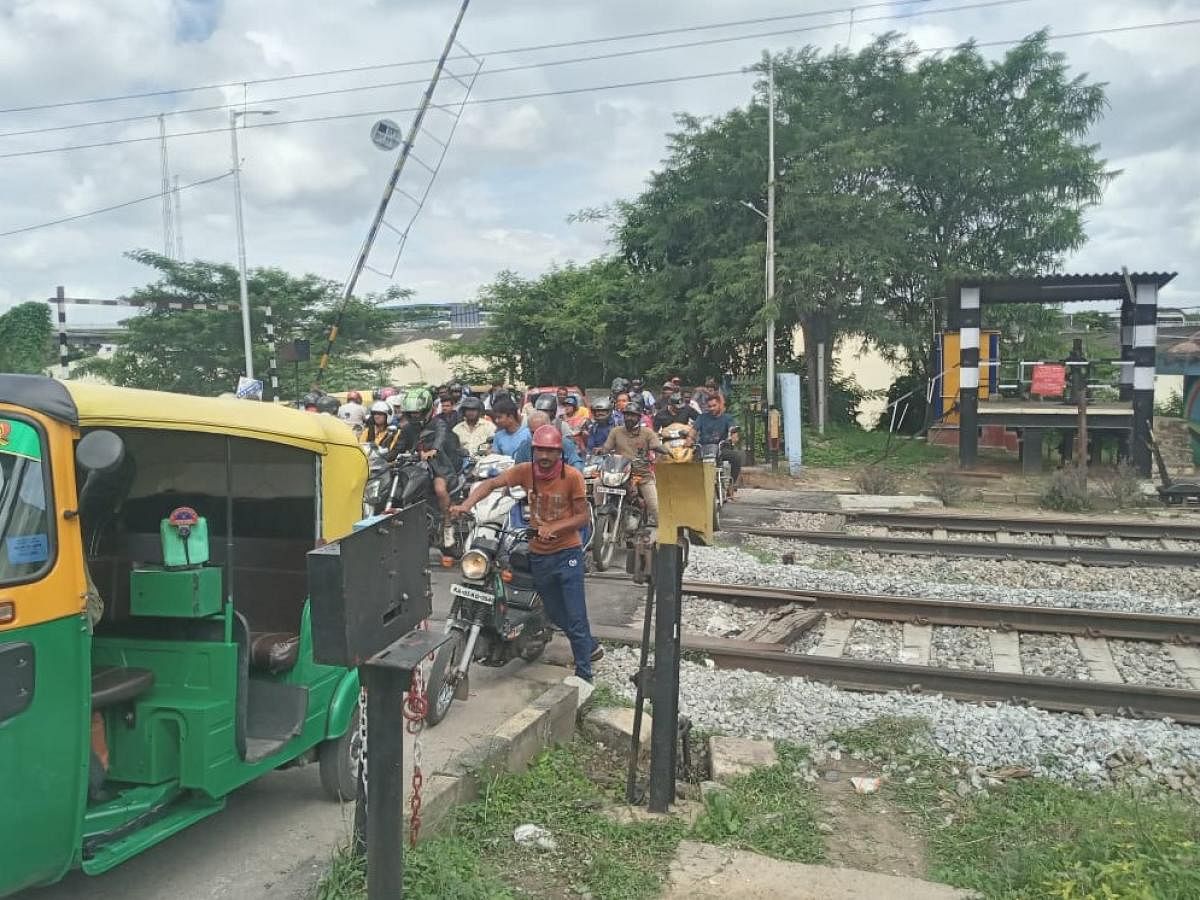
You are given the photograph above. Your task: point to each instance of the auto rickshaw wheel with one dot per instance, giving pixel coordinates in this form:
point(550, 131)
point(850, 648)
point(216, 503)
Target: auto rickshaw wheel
point(339, 760)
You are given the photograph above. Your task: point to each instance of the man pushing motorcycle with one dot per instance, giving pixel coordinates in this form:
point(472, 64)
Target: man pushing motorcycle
point(557, 510)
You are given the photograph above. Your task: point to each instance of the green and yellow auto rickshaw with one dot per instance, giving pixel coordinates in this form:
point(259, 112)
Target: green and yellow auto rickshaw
point(155, 636)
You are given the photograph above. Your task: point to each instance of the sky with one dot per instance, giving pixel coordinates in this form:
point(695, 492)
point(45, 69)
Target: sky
point(517, 168)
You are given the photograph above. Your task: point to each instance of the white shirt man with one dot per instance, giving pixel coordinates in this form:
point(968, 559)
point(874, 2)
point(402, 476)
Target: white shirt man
point(474, 436)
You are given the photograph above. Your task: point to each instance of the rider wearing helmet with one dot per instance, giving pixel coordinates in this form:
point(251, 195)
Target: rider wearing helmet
point(474, 430)
point(328, 405)
point(558, 511)
point(379, 429)
point(635, 441)
point(575, 419)
point(570, 451)
point(311, 402)
point(602, 424)
point(548, 403)
point(637, 391)
point(673, 413)
point(619, 386)
point(438, 445)
point(352, 411)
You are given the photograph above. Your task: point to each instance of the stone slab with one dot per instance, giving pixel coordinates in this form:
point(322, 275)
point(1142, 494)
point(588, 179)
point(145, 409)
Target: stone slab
point(1098, 656)
point(686, 811)
point(1188, 660)
point(1006, 652)
point(734, 756)
point(707, 872)
point(837, 632)
point(613, 726)
point(864, 502)
point(915, 648)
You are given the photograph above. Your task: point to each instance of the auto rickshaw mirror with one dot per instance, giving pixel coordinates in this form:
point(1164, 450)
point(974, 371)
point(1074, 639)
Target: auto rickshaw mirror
point(100, 452)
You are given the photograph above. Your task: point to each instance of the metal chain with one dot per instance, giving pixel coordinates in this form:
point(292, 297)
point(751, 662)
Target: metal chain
point(416, 706)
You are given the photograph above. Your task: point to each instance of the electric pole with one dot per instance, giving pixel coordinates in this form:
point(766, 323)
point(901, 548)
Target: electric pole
point(178, 209)
point(168, 238)
point(771, 234)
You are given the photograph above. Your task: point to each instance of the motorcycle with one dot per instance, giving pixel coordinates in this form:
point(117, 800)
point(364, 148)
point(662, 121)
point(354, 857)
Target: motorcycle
point(496, 614)
point(619, 509)
point(411, 482)
point(711, 453)
point(378, 481)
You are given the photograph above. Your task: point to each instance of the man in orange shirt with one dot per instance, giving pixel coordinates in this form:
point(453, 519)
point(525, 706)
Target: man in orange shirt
point(557, 510)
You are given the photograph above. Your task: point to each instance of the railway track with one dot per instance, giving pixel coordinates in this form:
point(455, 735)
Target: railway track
point(1169, 529)
point(1089, 630)
point(1060, 550)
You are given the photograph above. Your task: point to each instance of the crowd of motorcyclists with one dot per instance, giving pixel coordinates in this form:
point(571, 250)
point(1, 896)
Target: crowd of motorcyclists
point(583, 470)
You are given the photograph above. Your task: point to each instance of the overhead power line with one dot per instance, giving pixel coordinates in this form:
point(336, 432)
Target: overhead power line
point(618, 54)
point(350, 70)
point(115, 207)
point(561, 92)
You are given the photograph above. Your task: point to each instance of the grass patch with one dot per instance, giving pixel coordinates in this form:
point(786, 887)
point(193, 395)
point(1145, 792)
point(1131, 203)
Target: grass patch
point(766, 557)
point(605, 695)
point(1034, 837)
point(769, 811)
point(563, 791)
point(846, 447)
point(1037, 838)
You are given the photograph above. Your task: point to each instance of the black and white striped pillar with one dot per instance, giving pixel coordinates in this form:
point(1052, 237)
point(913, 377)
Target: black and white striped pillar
point(1145, 338)
point(1126, 374)
point(60, 295)
point(968, 376)
point(273, 368)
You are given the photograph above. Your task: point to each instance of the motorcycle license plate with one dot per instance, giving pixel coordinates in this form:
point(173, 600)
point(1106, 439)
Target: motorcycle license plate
point(607, 490)
point(461, 590)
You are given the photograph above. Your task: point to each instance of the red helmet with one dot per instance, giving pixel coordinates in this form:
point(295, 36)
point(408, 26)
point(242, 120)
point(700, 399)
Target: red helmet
point(548, 436)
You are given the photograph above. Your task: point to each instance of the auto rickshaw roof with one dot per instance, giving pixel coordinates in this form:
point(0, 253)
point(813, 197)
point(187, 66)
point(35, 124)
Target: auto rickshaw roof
point(89, 404)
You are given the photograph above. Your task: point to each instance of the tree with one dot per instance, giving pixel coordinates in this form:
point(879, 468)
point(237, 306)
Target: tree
point(201, 351)
point(25, 338)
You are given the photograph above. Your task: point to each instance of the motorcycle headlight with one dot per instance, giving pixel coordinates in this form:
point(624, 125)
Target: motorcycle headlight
point(591, 471)
point(475, 565)
point(613, 479)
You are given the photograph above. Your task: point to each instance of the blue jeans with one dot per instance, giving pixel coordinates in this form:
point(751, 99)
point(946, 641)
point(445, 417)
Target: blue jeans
point(558, 577)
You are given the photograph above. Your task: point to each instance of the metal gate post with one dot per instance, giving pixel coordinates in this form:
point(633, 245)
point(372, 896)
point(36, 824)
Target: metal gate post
point(668, 582)
point(385, 821)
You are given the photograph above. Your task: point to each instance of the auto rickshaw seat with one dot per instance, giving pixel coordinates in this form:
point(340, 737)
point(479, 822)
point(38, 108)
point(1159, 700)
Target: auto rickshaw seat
point(116, 684)
point(274, 651)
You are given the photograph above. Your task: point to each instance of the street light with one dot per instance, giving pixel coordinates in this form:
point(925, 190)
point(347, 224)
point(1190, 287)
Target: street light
point(234, 115)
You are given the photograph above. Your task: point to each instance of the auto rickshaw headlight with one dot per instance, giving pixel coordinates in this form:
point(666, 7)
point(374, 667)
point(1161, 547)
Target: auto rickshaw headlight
point(475, 565)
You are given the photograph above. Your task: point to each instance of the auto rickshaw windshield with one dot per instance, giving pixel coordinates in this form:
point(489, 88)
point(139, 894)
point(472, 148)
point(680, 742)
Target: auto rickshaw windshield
point(25, 523)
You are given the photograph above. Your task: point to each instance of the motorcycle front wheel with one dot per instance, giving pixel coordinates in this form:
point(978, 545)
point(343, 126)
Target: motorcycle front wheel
point(604, 543)
point(440, 689)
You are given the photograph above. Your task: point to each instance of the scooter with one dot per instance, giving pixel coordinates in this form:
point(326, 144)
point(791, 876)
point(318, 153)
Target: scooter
point(496, 614)
point(412, 481)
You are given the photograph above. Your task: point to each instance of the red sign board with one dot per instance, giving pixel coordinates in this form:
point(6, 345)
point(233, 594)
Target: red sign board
point(1049, 380)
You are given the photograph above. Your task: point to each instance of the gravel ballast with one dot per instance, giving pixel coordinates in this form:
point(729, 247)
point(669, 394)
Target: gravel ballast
point(1092, 749)
point(1171, 591)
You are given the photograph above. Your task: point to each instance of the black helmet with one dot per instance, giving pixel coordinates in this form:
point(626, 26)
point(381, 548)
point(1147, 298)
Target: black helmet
point(636, 381)
point(328, 404)
point(603, 405)
point(472, 403)
point(312, 398)
point(619, 386)
point(632, 408)
point(547, 403)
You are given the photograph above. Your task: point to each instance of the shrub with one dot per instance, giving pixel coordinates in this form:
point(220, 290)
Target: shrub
point(1171, 408)
point(1122, 486)
point(945, 484)
point(1067, 490)
point(876, 479)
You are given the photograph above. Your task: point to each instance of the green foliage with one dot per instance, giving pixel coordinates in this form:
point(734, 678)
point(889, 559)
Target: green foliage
point(442, 868)
point(1121, 486)
point(25, 338)
point(1028, 331)
point(844, 447)
point(1037, 838)
point(200, 351)
point(1171, 408)
point(769, 811)
point(1067, 490)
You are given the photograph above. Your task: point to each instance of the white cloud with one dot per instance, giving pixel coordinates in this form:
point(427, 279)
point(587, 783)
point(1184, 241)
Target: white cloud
point(516, 169)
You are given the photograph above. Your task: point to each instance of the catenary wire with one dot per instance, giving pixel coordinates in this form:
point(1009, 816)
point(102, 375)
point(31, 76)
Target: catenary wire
point(115, 207)
point(688, 45)
point(349, 70)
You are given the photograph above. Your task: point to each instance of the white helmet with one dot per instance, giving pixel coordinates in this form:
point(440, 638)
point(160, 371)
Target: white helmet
point(380, 406)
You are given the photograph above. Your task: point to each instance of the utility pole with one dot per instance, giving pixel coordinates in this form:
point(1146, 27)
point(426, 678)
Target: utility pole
point(771, 234)
point(234, 115)
point(168, 238)
point(178, 209)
